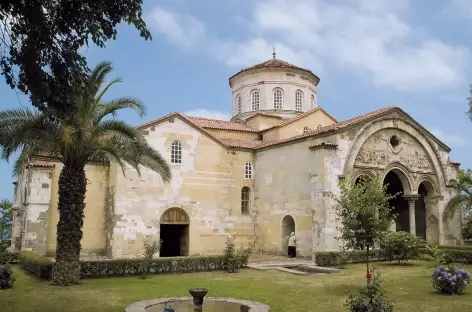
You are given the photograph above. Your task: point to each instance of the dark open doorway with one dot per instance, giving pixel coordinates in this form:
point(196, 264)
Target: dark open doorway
point(173, 238)
point(399, 205)
point(174, 233)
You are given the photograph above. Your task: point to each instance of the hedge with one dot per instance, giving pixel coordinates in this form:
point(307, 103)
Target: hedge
point(456, 254)
point(12, 257)
point(35, 264)
point(339, 258)
point(41, 266)
point(123, 267)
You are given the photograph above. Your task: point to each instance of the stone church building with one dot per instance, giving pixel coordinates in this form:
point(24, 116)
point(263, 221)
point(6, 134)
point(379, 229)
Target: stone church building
point(267, 172)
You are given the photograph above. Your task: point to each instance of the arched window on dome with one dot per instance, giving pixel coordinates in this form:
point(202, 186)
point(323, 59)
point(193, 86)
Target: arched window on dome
point(313, 104)
point(248, 170)
point(299, 100)
point(176, 152)
point(255, 100)
point(278, 98)
point(239, 103)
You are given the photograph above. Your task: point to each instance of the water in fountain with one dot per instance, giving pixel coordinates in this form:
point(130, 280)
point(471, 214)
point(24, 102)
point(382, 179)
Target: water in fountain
point(208, 306)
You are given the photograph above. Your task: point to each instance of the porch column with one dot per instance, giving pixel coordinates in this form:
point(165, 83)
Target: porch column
point(411, 209)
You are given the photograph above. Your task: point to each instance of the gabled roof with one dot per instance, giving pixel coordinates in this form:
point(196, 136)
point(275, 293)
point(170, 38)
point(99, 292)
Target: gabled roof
point(264, 114)
point(220, 124)
point(298, 117)
point(202, 123)
point(275, 63)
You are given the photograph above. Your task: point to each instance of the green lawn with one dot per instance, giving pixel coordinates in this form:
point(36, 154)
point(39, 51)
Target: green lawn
point(409, 286)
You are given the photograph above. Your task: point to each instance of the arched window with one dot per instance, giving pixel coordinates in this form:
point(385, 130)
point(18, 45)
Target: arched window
point(176, 152)
point(298, 100)
point(240, 104)
point(306, 129)
point(313, 104)
point(278, 98)
point(255, 99)
point(248, 171)
point(245, 195)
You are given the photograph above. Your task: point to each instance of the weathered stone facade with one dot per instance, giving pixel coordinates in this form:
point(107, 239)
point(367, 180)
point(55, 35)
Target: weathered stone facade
point(260, 178)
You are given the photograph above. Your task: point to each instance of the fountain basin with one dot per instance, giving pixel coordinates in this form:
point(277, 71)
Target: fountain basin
point(211, 304)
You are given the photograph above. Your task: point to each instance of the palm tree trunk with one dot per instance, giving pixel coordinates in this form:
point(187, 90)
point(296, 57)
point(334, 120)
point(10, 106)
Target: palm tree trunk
point(72, 187)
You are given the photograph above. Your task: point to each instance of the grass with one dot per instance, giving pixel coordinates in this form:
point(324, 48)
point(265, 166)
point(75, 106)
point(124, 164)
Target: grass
point(409, 286)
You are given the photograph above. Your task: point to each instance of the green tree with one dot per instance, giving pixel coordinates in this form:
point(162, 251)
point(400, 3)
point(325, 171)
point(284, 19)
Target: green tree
point(6, 219)
point(467, 228)
point(41, 42)
point(465, 188)
point(88, 137)
point(363, 207)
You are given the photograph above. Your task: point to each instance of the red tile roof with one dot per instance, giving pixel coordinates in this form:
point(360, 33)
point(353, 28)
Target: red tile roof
point(333, 127)
point(241, 142)
point(205, 123)
point(220, 124)
point(264, 114)
point(275, 63)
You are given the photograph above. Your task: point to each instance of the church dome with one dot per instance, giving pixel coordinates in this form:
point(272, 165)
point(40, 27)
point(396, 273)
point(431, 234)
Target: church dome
point(276, 63)
point(275, 87)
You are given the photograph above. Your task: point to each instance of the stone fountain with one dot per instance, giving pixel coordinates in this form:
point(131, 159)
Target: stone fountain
point(196, 304)
point(198, 294)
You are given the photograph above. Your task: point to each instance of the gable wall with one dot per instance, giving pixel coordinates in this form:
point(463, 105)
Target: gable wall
point(207, 186)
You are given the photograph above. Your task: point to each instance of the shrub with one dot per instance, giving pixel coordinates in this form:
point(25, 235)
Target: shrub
point(7, 277)
point(151, 247)
point(35, 264)
point(371, 298)
point(434, 253)
point(402, 246)
point(122, 267)
point(340, 258)
point(234, 258)
point(450, 280)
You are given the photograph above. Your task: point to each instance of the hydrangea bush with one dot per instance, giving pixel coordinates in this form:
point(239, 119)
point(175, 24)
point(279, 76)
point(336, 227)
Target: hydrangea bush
point(450, 280)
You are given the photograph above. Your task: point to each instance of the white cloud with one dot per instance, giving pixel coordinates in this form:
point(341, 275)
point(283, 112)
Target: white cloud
point(367, 37)
point(183, 30)
point(453, 140)
point(205, 113)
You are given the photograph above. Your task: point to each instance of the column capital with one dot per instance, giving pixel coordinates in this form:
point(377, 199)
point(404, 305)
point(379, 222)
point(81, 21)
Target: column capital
point(411, 197)
point(433, 199)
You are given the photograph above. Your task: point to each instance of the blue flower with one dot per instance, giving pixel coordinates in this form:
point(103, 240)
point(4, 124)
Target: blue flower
point(441, 268)
point(466, 283)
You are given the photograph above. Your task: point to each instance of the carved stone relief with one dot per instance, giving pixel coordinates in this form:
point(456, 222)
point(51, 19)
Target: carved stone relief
point(391, 145)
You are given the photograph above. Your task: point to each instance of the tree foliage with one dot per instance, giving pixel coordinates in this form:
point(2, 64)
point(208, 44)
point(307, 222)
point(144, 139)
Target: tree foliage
point(6, 219)
point(363, 207)
point(40, 42)
point(467, 228)
point(465, 188)
point(88, 137)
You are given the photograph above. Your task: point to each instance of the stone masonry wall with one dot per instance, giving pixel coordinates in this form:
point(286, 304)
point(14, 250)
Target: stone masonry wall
point(37, 204)
point(207, 186)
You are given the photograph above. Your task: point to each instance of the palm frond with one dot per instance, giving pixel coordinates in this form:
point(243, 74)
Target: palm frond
point(99, 94)
point(111, 107)
point(100, 71)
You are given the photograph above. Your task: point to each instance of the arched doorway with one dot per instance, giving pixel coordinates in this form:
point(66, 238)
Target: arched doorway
point(398, 205)
point(174, 233)
point(287, 227)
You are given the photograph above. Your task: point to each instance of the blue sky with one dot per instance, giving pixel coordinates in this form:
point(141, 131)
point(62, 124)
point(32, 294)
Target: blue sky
point(368, 53)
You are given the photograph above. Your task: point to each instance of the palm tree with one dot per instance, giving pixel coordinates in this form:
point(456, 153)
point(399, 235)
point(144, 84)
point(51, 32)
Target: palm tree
point(87, 136)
